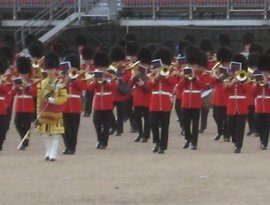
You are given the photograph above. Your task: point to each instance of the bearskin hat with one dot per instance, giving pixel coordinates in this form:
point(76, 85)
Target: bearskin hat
point(131, 37)
point(255, 47)
point(24, 65)
point(3, 65)
point(264, 62)
point(101, 59)
point(36, 49)
point(132, 48)
point(117, 54)
point(164, 54)
point(9, 40)
point(193, 55)
point(182, 44)
point(248, 38)
point(74, 59)
point(51, 60)
point(224, 40)
point(224, 54)
point(87, 53)
point(240, 58)
point(191, 39)
point(8, 53)
point(144, 55)
point(253, 59)
point(206, 45)
point(29, 39)
point(80, 40)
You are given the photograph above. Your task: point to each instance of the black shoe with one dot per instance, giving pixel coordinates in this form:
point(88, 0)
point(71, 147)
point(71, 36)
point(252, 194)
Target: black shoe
point(86, 115)
point(137, 139)
point(186, 145)
point(155, 149)
point(161, 151)
point(217, 137)
point(201, 131)
point(71, 152)
point(47, 158)
point(249, 133)
point(118, 134)
point(237, 150)
point(226, 139)
point(98, 145)
point(263, 147)
point(144, 140)
point(52, 159)
point(65, 152)
point(194, 147)
point(102, 147)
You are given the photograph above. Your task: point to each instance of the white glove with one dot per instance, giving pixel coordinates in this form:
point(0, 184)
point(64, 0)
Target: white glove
point(51, 100)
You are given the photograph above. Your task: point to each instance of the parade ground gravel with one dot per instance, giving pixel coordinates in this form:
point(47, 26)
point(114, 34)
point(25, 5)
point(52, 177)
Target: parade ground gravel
point(129, 173)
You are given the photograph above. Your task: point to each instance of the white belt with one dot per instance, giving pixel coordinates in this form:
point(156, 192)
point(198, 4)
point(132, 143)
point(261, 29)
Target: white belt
point(192, 91)
point(237, 97)
point(161, 93)
point(74, 96)
point(103, 93)
point(263, 97)
point(24, 96)
point(2, 98)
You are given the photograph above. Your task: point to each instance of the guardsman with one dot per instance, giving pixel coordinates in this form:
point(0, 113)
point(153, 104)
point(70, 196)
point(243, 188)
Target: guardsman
point(141, 95)
point(221, 95)
point(103, 86)
point(88, 66)
point(237, 107)
point(118, 58)
point(51, 96)
point(3, 100)
point(25, 90)
point(161, 86)
point(75, 84)
point(191, 86)
point(262, 100)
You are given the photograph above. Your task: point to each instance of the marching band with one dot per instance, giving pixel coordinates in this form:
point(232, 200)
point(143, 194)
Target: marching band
point(235, 85)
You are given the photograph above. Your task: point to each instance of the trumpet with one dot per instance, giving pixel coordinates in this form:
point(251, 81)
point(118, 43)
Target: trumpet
point(241, 75)
point(164, 71)
point(74, 73)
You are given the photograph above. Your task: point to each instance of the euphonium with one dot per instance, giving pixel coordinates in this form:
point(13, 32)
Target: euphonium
point(74, 73)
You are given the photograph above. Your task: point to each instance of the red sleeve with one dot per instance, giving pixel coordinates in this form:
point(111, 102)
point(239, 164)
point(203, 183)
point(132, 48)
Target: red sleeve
point(81, 85)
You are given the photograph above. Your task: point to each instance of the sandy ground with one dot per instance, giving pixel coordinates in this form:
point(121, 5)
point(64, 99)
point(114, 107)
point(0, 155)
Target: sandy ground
point(128, 173)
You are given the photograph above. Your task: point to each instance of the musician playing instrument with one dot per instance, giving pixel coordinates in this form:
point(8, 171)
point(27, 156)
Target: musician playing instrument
point(192, 86)
point(221, 95)
point(102, 85)
point(161, 85)
point(25, 89)
point(3, 100)
point(262, 100)
point(75, 84)
point(237, 107)
point(51, 97)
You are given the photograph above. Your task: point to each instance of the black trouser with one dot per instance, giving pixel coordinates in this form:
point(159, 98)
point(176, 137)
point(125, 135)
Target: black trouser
point(142, 112)
point(120, 106)
point(220, 117)
point(191, 115)
point(236, 126)
point(263, 127)
point(251, 118)
point(129, 113)
point(204, 116)
point(71, 124)
point(177, 108)
point(102, 120)
point(161, 119)
point(89, 95)
point(3, 130)
point(23, 124)
point(9, 115)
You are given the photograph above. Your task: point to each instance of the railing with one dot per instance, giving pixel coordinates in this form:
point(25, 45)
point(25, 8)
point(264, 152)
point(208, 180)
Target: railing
point(56, 10)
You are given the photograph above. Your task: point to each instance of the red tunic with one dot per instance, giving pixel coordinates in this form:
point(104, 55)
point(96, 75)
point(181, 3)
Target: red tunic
point(162, 90)
point(74, 89)
point(262, 101)
point(103, 96)
point(237, 102)
point(141, 95)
